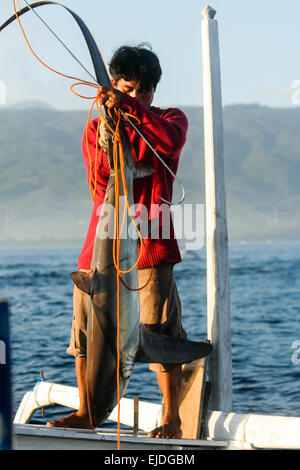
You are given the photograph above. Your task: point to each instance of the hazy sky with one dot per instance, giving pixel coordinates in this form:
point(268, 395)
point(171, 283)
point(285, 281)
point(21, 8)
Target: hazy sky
point(259, 45)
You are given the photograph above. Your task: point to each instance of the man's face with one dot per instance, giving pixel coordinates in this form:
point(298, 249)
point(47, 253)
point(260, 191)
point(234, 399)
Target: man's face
point(131, 88)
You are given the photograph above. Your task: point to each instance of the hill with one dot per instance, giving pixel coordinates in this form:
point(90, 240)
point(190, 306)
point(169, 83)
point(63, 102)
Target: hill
point(44, 193)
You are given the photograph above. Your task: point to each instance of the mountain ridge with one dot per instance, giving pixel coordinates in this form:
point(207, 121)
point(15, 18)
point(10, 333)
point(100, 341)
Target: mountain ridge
point(43, 182)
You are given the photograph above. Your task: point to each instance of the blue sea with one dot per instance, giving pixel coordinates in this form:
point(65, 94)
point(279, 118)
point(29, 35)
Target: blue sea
point(265, 322)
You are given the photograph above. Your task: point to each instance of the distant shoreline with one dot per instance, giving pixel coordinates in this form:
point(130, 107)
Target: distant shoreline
point(76, 243)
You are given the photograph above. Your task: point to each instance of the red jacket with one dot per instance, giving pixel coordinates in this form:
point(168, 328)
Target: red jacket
point(166, 130)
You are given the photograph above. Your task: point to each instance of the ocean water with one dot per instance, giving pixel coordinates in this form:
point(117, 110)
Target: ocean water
point(265, 323)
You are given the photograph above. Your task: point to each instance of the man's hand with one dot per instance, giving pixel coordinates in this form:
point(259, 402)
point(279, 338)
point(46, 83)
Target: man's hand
point(110, 97)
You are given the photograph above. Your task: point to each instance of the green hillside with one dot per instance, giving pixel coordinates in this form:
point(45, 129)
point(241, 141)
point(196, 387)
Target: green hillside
point(44, 192)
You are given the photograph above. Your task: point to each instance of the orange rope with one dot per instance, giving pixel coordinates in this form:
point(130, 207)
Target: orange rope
point(35, 55)
point(117, 151)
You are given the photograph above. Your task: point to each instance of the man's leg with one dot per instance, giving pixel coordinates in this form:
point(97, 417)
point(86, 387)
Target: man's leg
point(80, 418)
point(160, 309)
point(169, 383)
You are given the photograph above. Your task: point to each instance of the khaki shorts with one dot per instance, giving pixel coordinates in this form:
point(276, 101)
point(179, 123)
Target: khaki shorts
point(160, 309)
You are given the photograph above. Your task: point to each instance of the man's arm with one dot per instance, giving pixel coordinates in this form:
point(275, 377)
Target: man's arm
point(89, 158)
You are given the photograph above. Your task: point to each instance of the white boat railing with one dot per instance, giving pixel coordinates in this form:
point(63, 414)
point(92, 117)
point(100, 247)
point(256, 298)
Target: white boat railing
point(46, 394)
point(241, 431)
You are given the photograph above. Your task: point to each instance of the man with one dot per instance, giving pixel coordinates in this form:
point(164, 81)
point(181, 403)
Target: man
point(135, 73)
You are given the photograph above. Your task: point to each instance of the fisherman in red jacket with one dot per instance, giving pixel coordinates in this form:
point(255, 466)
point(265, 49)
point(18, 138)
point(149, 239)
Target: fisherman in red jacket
point(136, 72)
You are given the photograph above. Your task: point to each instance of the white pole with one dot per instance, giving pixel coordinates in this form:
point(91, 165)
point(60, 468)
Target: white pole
point(218, 304)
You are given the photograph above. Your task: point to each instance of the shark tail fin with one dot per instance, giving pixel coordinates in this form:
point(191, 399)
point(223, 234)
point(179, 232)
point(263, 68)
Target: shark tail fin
point(165, 349)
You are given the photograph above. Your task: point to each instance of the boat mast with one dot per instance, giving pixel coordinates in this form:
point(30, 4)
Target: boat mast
point(218, 302)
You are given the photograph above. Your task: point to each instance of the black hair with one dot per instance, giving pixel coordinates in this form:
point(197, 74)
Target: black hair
point(136, 63)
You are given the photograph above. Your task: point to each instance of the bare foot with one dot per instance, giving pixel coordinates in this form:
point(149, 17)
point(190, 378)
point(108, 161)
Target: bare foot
point(71, 421)
point(170, 430)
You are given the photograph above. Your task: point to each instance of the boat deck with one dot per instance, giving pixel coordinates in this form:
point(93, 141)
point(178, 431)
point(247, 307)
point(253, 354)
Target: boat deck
point(41, 437)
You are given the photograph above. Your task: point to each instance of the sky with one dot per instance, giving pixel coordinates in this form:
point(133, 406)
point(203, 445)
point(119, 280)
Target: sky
point(259, 49)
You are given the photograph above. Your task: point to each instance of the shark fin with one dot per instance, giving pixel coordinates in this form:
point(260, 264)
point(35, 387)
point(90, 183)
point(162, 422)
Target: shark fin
point(165, 349)
point(84, 280)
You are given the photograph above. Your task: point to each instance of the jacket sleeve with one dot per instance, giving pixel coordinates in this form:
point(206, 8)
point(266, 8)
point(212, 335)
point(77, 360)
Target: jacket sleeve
point(102, 164)
point(166, 131)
